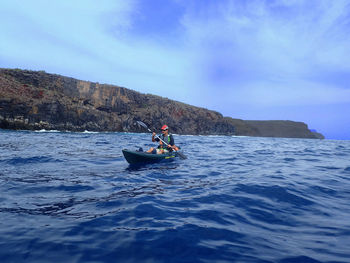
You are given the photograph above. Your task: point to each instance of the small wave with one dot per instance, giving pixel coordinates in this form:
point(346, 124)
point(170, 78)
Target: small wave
point(102, 143)
point(86, 131)
point(47, 131)
point(269, 217)
point(299, 259)
point(311, 160)
point(277, 193)
point(328, 167)
point(325, 190)
point(47, 209)
point(264, 152)
point(309, 151)
point(30, 160)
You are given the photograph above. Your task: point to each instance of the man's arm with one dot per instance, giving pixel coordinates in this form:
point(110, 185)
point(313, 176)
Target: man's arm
point(154, 139)
point(172, 143)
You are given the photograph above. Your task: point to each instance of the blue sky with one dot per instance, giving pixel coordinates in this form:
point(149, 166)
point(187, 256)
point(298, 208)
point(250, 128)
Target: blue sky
point(255, 60)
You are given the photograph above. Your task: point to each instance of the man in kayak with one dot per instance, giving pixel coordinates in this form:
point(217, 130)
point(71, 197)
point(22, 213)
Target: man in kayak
point(166, 137)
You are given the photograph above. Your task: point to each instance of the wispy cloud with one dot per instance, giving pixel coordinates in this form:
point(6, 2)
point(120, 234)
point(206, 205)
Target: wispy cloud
point(257, 44)
point(92, 40)
point(63, 31)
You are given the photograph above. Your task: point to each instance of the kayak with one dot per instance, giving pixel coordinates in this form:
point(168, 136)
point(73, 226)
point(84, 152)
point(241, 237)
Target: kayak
point(136, 157)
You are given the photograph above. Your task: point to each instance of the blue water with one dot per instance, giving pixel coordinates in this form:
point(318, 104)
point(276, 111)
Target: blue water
point(71, 197)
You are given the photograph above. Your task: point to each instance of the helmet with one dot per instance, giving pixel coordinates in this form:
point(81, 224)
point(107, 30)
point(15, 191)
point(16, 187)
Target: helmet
point(164, 127)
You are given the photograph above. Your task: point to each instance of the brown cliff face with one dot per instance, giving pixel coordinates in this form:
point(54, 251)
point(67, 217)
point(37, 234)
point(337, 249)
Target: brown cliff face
point(38, 100)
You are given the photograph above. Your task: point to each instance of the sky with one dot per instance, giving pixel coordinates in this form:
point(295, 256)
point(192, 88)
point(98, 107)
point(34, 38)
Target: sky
point(247, 59)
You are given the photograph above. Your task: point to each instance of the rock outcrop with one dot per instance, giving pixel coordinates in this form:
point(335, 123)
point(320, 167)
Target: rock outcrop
point(37, 100)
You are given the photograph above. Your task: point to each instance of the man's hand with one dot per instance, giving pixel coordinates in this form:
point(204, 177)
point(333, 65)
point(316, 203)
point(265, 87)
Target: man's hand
point(173, 147)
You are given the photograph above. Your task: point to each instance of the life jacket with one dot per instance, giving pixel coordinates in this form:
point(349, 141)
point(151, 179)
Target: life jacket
point(163, 146)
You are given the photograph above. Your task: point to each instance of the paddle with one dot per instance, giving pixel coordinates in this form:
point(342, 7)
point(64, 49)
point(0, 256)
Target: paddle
point(182, 156)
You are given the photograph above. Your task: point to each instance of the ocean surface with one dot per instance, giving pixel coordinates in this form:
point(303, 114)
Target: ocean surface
point(72, 197)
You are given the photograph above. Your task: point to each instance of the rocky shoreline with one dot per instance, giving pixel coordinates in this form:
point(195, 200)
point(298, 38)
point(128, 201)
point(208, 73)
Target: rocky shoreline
point(35, 100)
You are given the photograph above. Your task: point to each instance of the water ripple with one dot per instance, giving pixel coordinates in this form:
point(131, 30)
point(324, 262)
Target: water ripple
point(71, 197)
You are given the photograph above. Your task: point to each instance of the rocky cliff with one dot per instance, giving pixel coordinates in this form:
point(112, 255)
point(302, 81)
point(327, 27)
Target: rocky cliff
point(37, 100)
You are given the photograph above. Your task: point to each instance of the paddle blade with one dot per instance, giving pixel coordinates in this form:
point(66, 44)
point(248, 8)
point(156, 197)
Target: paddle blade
point(142, 124)
point(181, 155)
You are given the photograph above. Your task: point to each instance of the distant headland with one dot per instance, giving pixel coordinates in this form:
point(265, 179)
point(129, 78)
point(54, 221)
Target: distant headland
point(35, 100)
